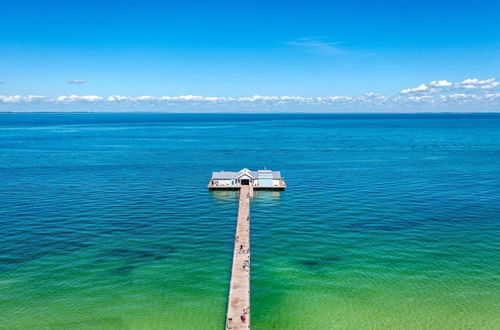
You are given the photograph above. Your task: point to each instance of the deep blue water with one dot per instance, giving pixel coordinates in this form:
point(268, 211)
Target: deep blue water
point(388, 220)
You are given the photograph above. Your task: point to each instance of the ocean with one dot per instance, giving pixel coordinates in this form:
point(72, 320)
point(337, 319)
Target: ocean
point(388, 221)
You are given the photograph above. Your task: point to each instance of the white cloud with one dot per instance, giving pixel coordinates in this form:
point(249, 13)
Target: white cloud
point(440, 83)
point(13, 98)
point(75, 98)
point(474, 83)
point(421, 88)
point(440, 86)
point(458, 96)
point(145, 98)
point(35, 98)
point(491, 85)
point(435, 94)
point(77, 81)
point(118, 98)
point(477, 81)
point(21, 99)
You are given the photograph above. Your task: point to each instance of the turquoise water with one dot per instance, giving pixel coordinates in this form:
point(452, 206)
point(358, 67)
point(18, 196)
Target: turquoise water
point(389, 221)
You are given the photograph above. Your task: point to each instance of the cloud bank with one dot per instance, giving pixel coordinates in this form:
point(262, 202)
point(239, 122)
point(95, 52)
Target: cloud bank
point(469, 95)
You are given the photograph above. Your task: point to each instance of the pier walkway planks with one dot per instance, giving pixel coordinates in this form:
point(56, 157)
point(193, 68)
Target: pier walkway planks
point(239, 290)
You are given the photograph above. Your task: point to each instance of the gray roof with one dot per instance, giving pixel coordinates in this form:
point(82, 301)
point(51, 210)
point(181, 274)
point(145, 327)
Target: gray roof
point(223, 175)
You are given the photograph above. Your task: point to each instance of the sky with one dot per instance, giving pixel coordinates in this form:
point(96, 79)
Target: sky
point(332, 56)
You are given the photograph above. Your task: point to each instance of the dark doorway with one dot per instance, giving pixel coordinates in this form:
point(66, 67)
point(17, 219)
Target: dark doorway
point(245, 182)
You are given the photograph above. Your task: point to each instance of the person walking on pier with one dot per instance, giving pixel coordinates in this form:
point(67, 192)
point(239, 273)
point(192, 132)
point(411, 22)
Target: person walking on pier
point(244, 314)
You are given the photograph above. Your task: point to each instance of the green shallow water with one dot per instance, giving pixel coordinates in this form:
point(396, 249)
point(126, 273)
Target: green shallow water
point(388, 221)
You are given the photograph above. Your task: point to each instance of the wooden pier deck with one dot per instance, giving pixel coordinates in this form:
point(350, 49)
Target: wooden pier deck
point(239, 290)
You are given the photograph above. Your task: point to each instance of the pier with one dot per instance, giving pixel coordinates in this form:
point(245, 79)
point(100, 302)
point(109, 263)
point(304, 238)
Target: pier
point(238, 307)
point(246, 181)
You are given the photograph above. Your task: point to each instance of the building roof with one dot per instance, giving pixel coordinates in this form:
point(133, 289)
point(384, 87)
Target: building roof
point(263, 174)
point(246, 172)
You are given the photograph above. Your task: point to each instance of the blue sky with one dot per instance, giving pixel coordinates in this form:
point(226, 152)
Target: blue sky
point(243, 48)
